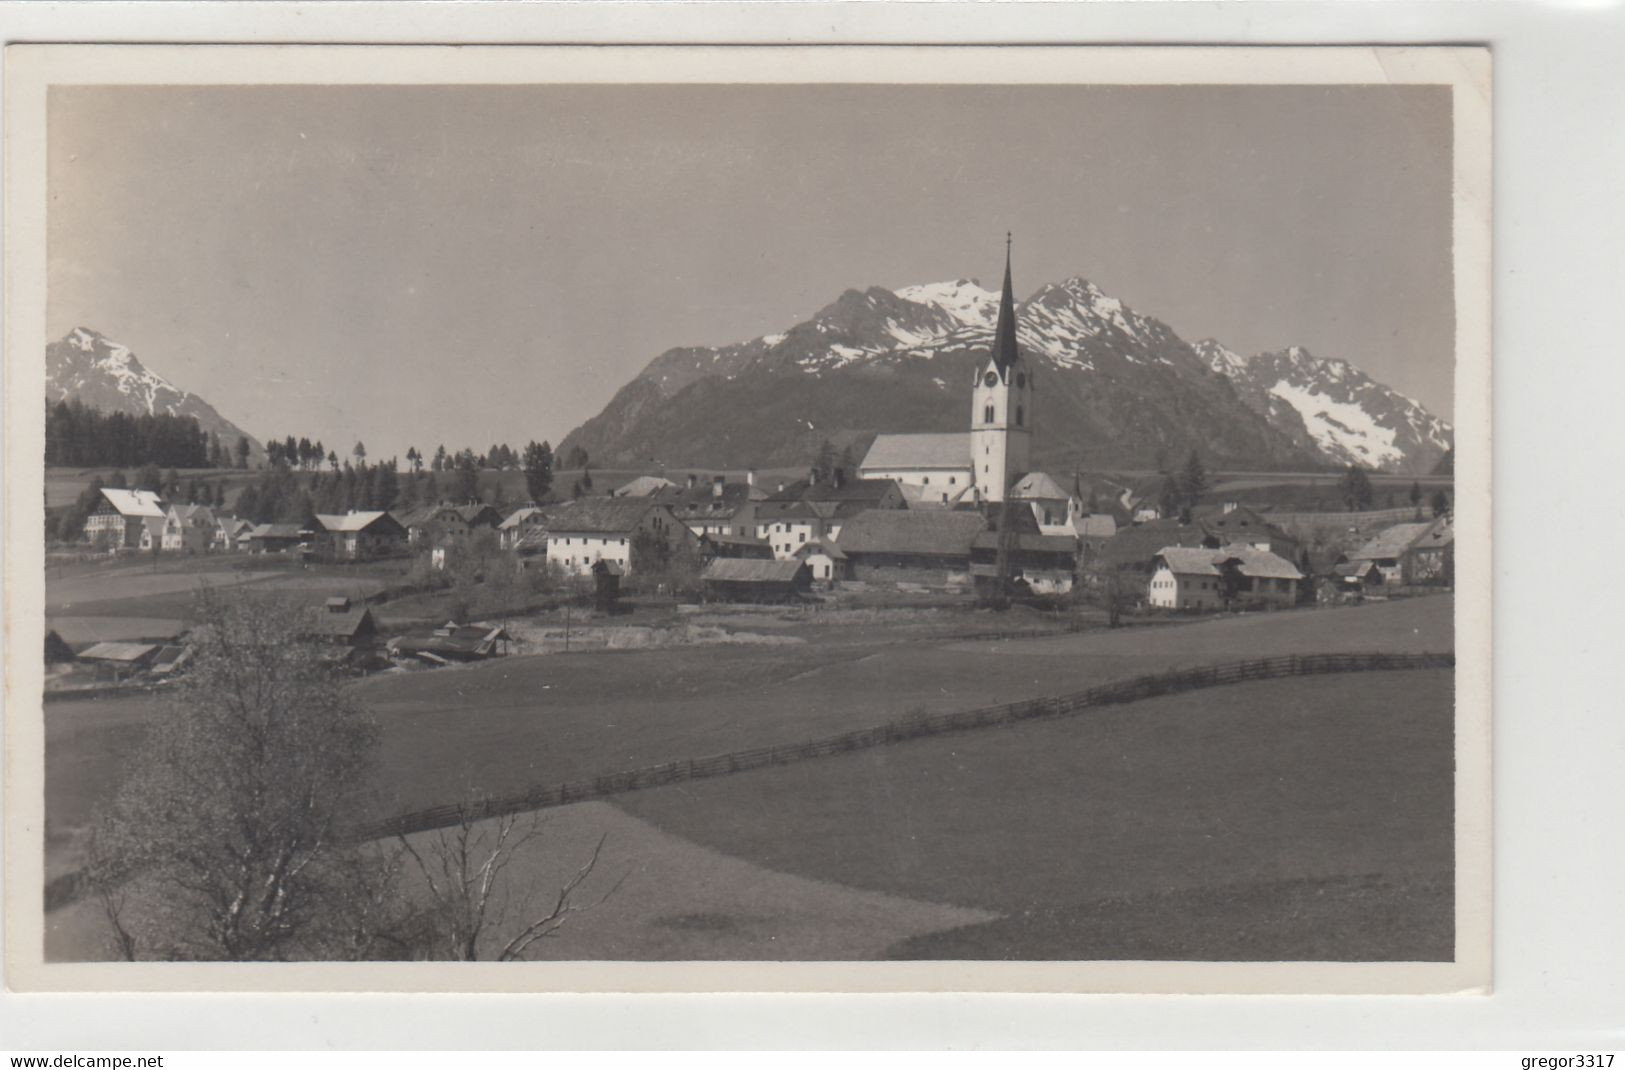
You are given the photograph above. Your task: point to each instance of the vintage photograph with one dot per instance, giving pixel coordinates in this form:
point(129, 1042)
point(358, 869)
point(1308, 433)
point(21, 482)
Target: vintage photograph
point(750, 521)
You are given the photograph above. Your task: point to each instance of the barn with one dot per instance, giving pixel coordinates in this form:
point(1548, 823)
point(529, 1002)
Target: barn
point(742, 579)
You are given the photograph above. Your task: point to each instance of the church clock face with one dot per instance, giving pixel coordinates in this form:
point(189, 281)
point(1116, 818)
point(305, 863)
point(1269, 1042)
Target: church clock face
point(990, 379)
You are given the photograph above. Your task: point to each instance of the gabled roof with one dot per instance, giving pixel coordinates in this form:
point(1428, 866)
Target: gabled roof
point(1442, 534)
point(1138, 544)
point(123, 652)
point(1189, 560)
point(1391, 542)
point(520, 516)
point(1030, 542)
point(348, 522)
point(344, 625)
point(1240, 522)
point(187, 512)
point(1199, 561)
point(911, 531)
point(828, 548)
point(779, 509)
point(850, 490)
point(277, 531)
point(643, 486)
point(600, 515)
point(947, 449)
point(134, 503)
point(1038, 486)
point(752, 570)
point(478, 513)
point(702, 500)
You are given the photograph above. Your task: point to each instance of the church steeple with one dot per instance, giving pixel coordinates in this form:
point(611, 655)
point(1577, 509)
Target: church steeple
point(1005, 352)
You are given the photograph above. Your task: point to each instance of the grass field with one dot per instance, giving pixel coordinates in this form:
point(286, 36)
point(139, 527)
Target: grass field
point(1297, 819)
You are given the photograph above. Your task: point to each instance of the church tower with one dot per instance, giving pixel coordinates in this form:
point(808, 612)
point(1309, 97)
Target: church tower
point(1001, 416)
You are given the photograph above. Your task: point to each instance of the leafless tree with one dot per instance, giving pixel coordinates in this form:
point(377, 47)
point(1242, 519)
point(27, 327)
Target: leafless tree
point(471, 909)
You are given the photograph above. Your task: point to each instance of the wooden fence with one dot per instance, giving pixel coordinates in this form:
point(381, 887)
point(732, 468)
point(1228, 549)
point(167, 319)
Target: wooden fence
point(71, 886)
point(1130, 690)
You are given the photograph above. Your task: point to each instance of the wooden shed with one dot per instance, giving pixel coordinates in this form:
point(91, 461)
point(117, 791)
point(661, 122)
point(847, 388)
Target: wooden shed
point(740, 579)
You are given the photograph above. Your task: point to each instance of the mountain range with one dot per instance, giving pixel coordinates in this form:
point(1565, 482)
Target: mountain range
point(104, 375)
point(1113, 389)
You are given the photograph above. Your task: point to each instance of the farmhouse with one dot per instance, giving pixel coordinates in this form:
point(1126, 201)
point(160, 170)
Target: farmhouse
point(274, 538)
point(520, 523)
point(910, 545)
point(714, 508)
point(118, 521)
point(789, 524)
point(229, 533)
point(344, 624)
point(1232, 523)
point(734, 579)
point(603, 529)
point(979, 464)
point(1044, 564)
point(359, 536)
point(827, 560)
point(152, 533)
point(1411, 553)
point(443, 523)
point(189, 529)
point(713, 546)
point(1202, 578)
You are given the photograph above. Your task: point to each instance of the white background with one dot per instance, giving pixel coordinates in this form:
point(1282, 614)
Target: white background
point(1559, 726)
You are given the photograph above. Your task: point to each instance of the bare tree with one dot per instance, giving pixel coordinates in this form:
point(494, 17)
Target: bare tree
point(470, 909)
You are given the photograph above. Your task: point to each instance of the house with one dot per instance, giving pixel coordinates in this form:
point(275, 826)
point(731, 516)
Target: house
point(736, 579)
point(274, 538)
point(152, 533)
point(453, 642)
point(524, 521)
point(911, 545)
point(229, 533)
point(642, 487)
point(357, 536)
point(1136, 547)
point(171, 659)
point(343, 623)
point(119, 520)
point(1414, 553)
point(1232, 523)
point(716, 507)
point(805, 512)
point(189, 529)
point(828, 562)
point(712, 546)
point(1189, 577)
point(603, 529)
point(120, 660)
point(1056, 511)
point(1041, 563)
point(56, 648)
point(444, 523)
point(789, 524)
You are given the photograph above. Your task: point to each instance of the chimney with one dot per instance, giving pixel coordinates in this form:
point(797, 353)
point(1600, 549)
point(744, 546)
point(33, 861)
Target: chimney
point(716, 486)
point(693, 480)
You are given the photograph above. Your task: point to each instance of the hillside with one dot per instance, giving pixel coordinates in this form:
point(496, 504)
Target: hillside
point(107, 376)
point(1115, 389)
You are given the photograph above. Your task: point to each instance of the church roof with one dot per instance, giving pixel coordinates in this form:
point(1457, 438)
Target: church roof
point(949, 449)
point(1005, 352)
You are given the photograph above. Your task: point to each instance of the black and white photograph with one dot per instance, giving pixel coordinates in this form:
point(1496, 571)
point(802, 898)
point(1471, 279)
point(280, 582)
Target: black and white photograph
point(993, 518)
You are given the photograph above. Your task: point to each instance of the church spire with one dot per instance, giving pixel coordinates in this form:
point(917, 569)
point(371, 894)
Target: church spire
point(1004, 334)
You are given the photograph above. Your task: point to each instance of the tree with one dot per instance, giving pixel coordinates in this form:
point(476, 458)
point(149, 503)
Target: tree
point(1172, 497)
point(242, 451)
point(1416, 494)
point(1193, 480)
point(463, 866)
point(1355, 488)
point(823, 466)
point(440, 463)
point(414, 459)
point(1440, 503)
point(333, 460)
point(227, 830)
point(149, 478)
point(538, 463)
point(467, 485)
point(577, 457)
point(360, 453)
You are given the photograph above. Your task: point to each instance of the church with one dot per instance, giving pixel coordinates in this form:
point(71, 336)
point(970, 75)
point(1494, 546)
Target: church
point(986, 462)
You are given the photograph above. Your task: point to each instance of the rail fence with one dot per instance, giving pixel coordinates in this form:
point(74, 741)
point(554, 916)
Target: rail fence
point(907, 728)
point(71, 886)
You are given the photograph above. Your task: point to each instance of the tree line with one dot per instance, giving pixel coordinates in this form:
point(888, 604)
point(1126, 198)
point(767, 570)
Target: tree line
point(82, 437)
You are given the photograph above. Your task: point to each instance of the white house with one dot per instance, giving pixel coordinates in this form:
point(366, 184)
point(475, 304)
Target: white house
point(189, 528)
point(119, 519)
point(589, 530)
point(1195, 577)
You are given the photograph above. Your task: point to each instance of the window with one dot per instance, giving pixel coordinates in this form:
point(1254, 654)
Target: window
point(952, 480)
point(1018, 415)
point(803, 536)
point(927, 481)
point(987, 415)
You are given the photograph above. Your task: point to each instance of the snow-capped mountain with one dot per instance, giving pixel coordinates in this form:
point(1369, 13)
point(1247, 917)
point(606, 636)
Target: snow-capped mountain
point(105, 375)
point(1116, 388)
point(1335, 408)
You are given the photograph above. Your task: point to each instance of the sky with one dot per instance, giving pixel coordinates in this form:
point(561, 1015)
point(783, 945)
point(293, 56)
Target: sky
point(469, 265)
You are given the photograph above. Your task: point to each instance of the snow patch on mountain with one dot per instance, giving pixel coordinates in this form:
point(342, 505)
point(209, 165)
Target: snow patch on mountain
point(1341, 428)
point(963, 299)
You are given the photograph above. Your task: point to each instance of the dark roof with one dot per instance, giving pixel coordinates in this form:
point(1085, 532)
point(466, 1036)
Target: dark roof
point(1392, 542)
point(614, 515)
point(1139, 543)
point(127, 653)
point(786, 509)
point(1241, 522)
point(346, 625)
point(277, 531)
point(851, 490)
point(1005, 351)
point(726, 539)
point(701, 500)
point(752, 570)
point(458, 641)
point(1030, 543)
point(56, 648)
point(829, 549)
point(907, 531)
